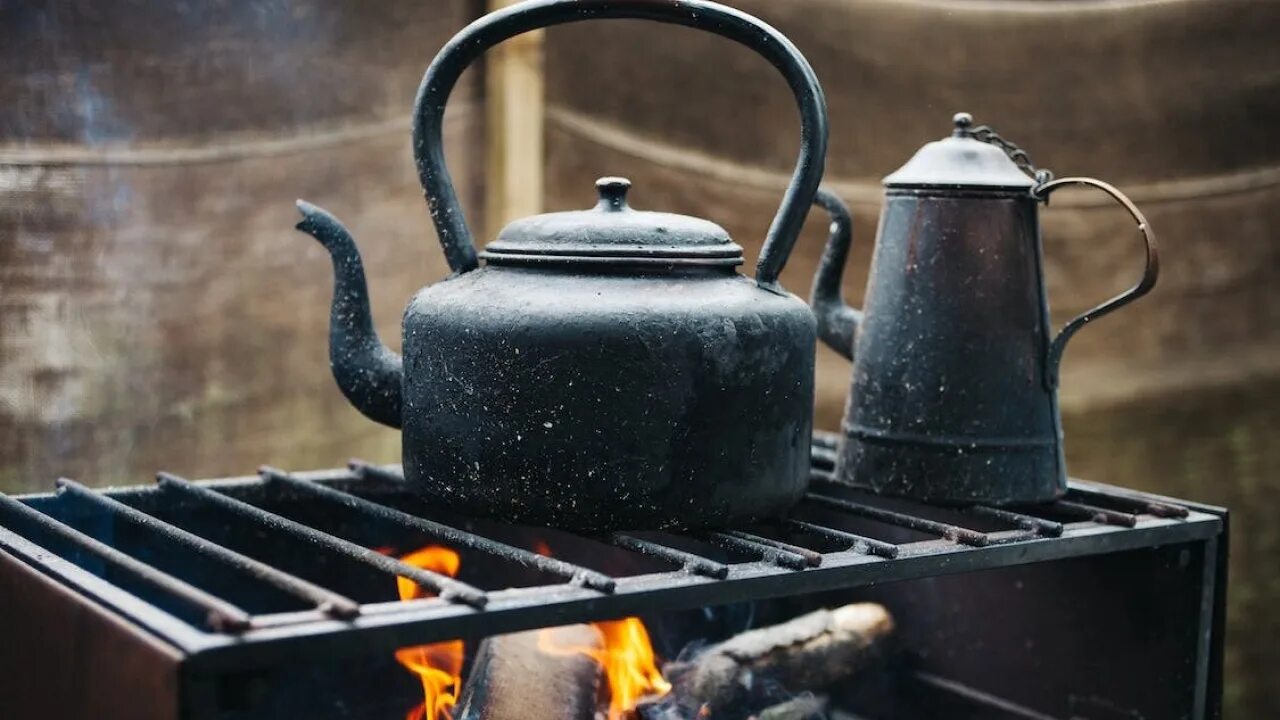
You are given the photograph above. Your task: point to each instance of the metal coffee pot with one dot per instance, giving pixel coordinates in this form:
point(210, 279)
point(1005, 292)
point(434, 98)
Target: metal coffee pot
point(604, 368)
point(954, 396)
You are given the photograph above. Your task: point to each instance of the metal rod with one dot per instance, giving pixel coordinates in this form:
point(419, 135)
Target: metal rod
point(994, 706)
point(823, 458)
point(825, 440)
point(1048, 528)
point(220, 615)
point(911, 522)
point(1038, 526)
point(813, 558)
point(577, 574)
point(766, 552)
point(364, 471)
point(448, 588)
point(865, 544)
point(1136, 505)
point(818, 474)
point(1094, 513)
point(692, 563)
point(1161, 510)
point(325, 600)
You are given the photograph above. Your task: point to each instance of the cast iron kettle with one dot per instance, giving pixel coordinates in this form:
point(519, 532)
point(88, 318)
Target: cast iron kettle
point(605, 368)
point(954, 396)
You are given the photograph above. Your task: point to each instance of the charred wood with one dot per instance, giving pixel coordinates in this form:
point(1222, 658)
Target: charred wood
point(810, 653)
point(534, 675)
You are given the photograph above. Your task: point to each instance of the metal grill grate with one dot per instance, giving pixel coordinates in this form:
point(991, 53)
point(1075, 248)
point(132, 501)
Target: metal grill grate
point(838, 538)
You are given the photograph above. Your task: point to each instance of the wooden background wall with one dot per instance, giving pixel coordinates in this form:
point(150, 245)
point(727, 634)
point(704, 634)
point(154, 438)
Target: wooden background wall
point(157, 309)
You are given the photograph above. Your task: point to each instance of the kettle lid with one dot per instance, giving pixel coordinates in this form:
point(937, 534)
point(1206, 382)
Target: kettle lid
point(612, 233)
point(960, 161)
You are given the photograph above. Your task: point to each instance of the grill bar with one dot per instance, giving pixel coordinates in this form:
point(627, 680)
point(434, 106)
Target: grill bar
point(576, 574)
point(819, 474)
point(220, 615)
point(870, 545)
point(948, 531)
point(994, 706)
point(448, 588)
point(375, 493)
point(766, 551)
point(695, 564)
point(1094, 513)
point(822, 457)
point(367, 471)
point(1048, 528)
point(1134, 505)
point(326, 601)
point(812, 558)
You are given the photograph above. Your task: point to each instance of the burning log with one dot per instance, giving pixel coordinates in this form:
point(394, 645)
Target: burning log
point(515, 678)
point(810, 652)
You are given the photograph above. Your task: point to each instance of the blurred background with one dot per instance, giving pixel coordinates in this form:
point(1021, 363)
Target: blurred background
point(158, 311)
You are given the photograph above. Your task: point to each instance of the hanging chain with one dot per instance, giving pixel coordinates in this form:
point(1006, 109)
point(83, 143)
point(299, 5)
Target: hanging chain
point(986, 134)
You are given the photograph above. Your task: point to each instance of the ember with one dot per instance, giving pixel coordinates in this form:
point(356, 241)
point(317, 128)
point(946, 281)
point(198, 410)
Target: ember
point(438, 665)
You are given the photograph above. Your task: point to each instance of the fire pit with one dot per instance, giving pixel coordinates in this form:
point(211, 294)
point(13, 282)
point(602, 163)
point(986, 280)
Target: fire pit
point(289, 594)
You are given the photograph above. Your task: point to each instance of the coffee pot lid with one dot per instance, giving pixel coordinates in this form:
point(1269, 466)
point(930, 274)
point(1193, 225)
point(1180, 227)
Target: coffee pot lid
point(615, 234)
point(961, 161)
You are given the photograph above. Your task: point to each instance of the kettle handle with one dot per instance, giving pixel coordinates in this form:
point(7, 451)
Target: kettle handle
point(480, 35)
point(1144, 285)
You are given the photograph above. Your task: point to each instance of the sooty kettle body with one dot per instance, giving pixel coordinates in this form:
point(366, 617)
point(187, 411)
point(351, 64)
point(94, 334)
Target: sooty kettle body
point(602, 369)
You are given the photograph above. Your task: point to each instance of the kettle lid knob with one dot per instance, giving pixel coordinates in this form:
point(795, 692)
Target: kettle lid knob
point(963, 122)
point(613, 193)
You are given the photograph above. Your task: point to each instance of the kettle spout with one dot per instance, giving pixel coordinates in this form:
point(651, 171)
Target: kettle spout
point(837, 322)
point(369, 374)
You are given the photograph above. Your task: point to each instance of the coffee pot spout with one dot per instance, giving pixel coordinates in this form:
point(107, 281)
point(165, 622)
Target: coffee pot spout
point(837, 321)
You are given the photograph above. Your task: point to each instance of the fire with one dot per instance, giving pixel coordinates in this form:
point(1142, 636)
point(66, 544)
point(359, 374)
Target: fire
point(627, 659)
point(626, 656)
point(628, 664)
point(438, 665)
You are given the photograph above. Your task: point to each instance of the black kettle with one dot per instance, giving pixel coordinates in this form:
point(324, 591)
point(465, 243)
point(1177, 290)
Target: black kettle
point(954, 395)
point(605, 368)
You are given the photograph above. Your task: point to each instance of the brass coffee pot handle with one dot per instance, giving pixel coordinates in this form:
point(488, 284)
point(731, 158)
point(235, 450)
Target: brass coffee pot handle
point(1148, 281)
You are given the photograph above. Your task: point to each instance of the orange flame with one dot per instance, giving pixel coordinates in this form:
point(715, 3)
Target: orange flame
point(438, 665)
point(627, 659)
point(626, 656)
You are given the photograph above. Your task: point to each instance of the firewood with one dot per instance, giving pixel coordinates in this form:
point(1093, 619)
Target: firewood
point(516, 678)
point(810, 652)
